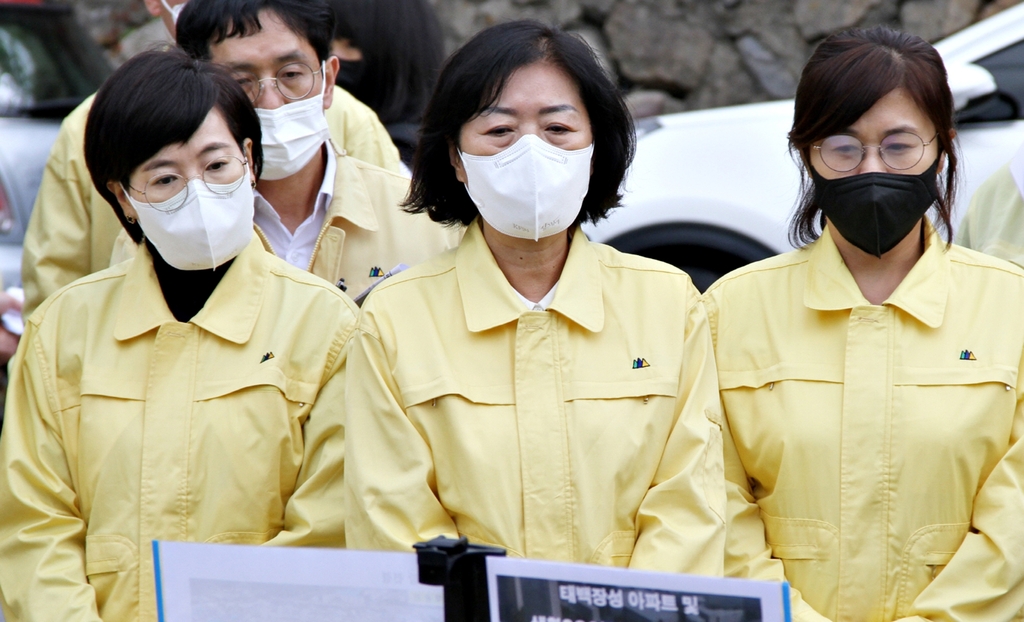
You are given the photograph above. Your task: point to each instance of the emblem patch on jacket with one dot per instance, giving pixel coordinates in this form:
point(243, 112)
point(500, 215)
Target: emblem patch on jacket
point(376, 272)
point(967, 355)
point(640, 363)
point(266, 357)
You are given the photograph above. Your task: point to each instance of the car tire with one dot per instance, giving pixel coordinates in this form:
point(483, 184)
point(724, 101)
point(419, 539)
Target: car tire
point(704, 252)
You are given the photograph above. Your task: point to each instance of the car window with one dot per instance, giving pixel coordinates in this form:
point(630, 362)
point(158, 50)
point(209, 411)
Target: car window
point(45, 62)
point(1007, 67)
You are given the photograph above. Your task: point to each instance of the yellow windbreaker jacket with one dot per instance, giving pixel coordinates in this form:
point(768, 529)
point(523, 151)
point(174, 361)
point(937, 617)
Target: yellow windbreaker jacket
point(72, 229)
point(994, 223)
point(124, 426)
point(586, 433)
point(875, 457)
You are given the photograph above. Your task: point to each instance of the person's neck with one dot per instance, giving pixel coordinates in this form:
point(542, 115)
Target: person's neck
point(878, 277)
point(294, 197)
point(532, 268)
point(186, 292)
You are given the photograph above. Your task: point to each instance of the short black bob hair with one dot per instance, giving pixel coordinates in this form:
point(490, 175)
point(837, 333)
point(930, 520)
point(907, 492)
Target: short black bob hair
point(206, 22)
point(473, 78)
point(845, 76)
point(154, 100)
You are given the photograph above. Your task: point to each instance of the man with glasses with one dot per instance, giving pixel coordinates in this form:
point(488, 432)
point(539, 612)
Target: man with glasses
point(316, 208)
point(72, 230)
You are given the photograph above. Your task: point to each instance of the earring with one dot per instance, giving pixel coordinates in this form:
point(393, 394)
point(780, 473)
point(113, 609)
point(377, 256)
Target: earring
point(130, 220)
point(253, 184)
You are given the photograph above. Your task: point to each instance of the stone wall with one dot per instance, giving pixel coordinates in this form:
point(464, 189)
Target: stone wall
point(671, 55)
point(678, 55)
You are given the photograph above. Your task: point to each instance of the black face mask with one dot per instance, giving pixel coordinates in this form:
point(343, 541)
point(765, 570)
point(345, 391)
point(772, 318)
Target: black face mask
point(874, 211)
point(350, 73)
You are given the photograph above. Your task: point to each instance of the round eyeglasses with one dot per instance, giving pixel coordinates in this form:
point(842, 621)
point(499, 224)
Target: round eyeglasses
point(900, 151)
point(293, 81)
point(168, 192)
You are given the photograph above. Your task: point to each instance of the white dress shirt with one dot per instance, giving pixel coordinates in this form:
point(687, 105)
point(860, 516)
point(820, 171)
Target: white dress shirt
point(542, 304)
point(297, 248)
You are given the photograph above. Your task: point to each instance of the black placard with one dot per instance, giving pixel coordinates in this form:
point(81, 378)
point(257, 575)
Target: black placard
point(522, 599)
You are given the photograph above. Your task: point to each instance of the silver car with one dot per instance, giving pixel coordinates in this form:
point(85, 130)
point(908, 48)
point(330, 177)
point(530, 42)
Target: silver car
point(48, 65)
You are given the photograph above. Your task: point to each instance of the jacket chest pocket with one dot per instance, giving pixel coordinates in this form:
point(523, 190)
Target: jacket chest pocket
point(786, 424)
point(612, 399)
point(626, 421)
point(794, 394)
point(474, 440)
point(257, 394)
point(252, 426)
point(617, 430)
point(448, 394)
point(472, 421)
point(965, 402)
point(103, 418)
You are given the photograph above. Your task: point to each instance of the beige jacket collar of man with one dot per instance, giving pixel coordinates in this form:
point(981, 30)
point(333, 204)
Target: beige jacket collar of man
point(350, 201)
point(365, 232)
point(923, 292)
point(490, 301)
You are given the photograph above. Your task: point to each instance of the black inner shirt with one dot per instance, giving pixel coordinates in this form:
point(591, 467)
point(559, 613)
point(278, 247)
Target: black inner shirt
point(186, 291)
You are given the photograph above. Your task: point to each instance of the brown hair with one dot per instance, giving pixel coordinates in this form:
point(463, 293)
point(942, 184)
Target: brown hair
point(849, 72)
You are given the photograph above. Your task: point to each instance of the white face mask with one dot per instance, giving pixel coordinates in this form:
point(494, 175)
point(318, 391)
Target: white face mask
point(175, 11)
point(293, 134)
point(530, 190)
point(206, 231)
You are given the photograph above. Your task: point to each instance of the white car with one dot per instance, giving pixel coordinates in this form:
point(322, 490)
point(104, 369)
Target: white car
point(712, 190)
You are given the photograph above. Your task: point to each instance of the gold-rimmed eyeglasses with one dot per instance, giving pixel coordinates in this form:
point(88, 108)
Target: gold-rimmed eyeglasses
point(293, 81)
point(843, 153)
point(168, 192)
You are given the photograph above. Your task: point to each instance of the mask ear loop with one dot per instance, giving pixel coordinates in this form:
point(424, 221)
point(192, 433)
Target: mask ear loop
point(174, 11)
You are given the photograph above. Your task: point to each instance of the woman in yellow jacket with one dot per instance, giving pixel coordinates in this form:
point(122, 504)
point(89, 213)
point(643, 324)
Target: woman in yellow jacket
point(525, 390)
point(872, 379)
point(193, 393)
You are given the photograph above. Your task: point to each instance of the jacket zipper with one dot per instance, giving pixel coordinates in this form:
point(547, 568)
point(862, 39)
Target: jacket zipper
point(316, 247)
point(264, 239)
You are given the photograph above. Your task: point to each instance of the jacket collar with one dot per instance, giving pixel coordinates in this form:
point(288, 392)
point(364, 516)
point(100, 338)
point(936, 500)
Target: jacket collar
point(490, 301)
point(922, 294)
point(230, 313)
point(351, 199)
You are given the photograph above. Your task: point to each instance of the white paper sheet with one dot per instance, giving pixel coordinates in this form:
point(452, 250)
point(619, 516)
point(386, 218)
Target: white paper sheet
point(233, 583)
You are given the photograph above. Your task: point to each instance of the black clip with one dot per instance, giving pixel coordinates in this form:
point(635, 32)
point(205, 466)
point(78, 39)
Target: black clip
point(461, 568)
